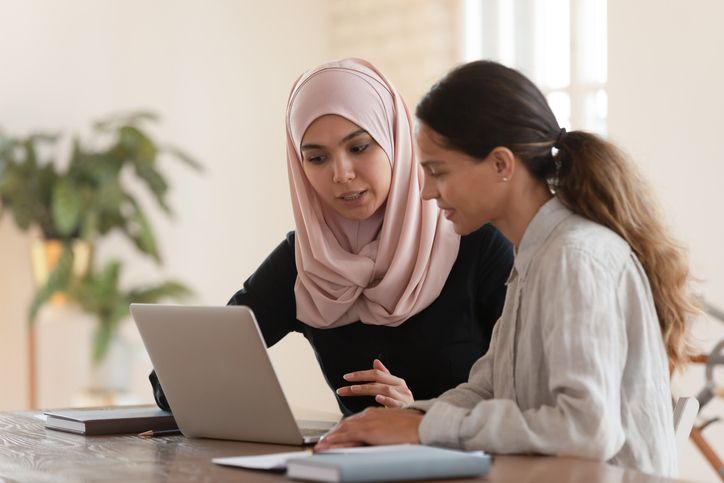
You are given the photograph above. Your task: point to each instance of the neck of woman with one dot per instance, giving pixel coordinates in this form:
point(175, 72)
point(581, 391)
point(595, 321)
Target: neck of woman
point(526, 198)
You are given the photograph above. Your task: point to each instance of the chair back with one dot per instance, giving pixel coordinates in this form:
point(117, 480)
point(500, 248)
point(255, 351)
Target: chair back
point(685, 412)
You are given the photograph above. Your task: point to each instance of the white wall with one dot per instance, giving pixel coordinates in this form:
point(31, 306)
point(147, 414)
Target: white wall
point(219, 73)
point(666, 99)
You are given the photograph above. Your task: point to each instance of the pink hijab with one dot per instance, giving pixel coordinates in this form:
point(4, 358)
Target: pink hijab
point(386, 268)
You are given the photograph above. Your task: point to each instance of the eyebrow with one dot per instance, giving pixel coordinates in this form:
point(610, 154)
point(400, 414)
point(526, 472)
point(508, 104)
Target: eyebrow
point(349, 136)
point(430, 162)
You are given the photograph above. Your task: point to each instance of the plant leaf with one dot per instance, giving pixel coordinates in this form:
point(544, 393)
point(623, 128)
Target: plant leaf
point(140, 150)
point(183, 156)
point(169, 289)
point(23, 186)
point(108, 197)
point(30, 156)
point(89, 225)
point(3, 158)
point(107, 281)
point(139, 230)
point(156, 183)
point(107, 328)
point(134, 117)
point(43, 137)
point(6, 145)
point(66, 206)
point(58, 281)
point(102, 339)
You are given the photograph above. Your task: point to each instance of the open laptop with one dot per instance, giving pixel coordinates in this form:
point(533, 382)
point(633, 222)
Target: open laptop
point(215, 371)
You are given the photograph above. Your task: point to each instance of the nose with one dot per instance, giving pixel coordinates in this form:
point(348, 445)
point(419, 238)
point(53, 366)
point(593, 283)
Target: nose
point(343, 170)
point(429, 188)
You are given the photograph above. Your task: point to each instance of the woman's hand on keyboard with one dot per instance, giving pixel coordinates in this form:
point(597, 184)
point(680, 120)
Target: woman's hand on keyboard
point(374, 426)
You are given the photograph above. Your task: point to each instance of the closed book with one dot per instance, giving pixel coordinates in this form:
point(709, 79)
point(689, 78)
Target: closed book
point(410, 462)
point(112, 420)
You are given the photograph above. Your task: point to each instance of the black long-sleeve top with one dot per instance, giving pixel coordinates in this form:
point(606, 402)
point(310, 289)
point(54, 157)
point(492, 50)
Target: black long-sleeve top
point(432, 351)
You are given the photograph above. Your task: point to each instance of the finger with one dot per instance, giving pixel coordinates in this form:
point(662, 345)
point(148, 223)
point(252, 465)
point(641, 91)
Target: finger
point(389, 402)
point(343, 424)
point(374, 375)
point(341, 439)
point(319, 448)
point(371, 389)
point(377, 364)
point(328, 440)
point(348, 423)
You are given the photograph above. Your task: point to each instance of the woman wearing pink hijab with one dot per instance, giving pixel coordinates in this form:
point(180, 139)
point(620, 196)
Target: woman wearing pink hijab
point(396, 305)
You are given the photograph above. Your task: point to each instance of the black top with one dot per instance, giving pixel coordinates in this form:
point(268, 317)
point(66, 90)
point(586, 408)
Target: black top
point(432, 350)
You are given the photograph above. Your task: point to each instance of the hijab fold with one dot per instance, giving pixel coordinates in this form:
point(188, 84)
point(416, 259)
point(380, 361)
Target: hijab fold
point(386, 268)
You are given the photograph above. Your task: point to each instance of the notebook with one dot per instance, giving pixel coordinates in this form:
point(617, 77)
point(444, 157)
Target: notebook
point(116, 420)
point(214, 368)
point(394, 463)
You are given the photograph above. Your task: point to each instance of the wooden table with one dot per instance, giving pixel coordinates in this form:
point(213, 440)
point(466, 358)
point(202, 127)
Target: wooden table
point(29, 452)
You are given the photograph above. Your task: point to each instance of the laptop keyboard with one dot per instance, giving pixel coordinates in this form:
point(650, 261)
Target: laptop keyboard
point(312, 431)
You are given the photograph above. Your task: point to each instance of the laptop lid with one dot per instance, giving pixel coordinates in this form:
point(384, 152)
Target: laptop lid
point(216, 373)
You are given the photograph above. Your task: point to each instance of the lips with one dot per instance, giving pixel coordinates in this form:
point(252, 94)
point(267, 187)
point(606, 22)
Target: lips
point(447, 212)
point(351, 195)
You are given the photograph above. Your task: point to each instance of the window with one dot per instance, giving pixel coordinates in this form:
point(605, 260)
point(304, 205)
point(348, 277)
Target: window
point(559, 44)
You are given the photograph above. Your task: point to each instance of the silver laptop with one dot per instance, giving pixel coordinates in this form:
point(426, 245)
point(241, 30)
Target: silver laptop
point(215, 371)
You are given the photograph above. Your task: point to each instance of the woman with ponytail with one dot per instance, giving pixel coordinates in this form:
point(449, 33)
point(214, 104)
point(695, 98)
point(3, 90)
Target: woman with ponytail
point(597, 305)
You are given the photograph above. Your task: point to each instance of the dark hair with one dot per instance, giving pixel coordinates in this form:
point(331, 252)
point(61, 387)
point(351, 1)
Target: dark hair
point(482, 105)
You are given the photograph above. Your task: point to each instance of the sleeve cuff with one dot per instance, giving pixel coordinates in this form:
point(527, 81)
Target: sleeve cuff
point(423, 405)
point(441, 424)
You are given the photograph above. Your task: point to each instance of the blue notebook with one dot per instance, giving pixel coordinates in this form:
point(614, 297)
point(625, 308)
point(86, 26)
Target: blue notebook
point(408, 462)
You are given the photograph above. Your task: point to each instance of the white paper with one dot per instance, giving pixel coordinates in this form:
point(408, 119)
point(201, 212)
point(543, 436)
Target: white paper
point(276, 461)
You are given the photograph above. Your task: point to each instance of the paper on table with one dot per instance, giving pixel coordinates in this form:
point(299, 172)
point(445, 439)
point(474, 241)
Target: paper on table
point(276, 461)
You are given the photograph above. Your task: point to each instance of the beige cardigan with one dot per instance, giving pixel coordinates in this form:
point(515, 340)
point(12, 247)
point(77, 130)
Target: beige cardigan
point(576, 365)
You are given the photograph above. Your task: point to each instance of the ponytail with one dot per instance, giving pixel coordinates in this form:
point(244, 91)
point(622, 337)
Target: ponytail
point(598, 182)
point(482, 105)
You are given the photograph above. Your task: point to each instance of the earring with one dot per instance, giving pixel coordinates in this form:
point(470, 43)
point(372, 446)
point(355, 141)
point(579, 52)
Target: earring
point(504, 179)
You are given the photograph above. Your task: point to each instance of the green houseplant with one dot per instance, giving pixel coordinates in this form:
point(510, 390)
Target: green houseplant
point(88, 198)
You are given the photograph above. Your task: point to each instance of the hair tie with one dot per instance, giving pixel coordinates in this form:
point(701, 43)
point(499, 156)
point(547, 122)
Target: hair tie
point(560, 138)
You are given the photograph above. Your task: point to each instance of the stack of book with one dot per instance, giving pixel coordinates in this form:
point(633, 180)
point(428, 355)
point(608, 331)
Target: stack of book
point(116, 420)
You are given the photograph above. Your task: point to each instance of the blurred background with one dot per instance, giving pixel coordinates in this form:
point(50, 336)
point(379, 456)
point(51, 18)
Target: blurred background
point(646, 74)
